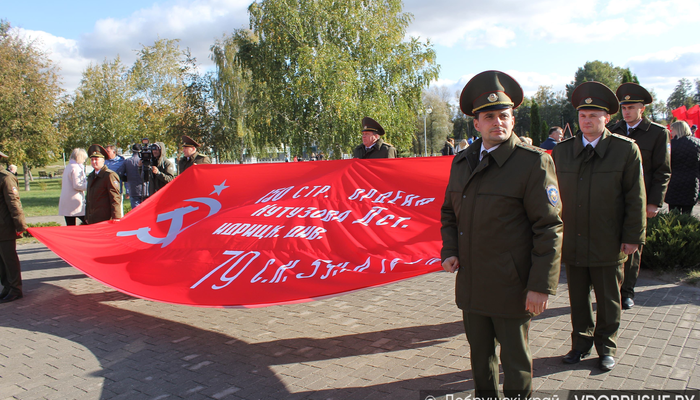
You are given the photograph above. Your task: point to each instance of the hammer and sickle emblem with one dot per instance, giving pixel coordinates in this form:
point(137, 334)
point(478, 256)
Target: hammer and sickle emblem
point(176, 217)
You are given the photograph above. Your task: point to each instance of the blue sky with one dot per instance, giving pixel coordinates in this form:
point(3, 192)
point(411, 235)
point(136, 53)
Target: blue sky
point(539, 42)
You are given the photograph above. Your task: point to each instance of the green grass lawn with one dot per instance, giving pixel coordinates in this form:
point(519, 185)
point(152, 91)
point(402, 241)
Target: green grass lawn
point(42, 197)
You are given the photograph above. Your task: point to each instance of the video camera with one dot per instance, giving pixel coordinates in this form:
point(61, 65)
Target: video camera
point(146, 154)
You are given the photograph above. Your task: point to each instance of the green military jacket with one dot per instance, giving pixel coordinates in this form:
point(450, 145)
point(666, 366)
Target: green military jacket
point(604, 203)
point(501, 219)
point(654, 144)
point(184, 163)
point(103, 200)
point(11, 214)
point(379, 150)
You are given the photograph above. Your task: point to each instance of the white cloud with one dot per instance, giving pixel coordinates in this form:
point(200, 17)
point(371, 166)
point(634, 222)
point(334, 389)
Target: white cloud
point(554, 21)
point(663, 69)
point(529, 81)
point(62, 52)
point(616, 7)
point(197, 23)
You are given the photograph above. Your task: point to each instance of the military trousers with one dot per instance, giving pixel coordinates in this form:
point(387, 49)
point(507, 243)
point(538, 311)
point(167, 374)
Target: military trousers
point(10, 273)
point(483, 334)
point(605, 282)
point(631, 273)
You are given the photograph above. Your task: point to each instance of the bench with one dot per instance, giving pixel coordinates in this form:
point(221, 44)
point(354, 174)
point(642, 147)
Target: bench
point(43, 174)
point(58, 172)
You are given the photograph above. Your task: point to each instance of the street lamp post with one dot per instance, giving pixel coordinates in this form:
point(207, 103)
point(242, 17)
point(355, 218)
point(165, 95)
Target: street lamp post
point(428, 110)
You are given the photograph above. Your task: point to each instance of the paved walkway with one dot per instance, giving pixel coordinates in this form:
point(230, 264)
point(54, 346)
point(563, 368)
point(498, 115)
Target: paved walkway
point(74, 338)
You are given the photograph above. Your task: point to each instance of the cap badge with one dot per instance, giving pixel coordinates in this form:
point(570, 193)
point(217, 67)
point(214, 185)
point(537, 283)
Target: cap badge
point(493, 97)
point(365, 127)
point(589, 100)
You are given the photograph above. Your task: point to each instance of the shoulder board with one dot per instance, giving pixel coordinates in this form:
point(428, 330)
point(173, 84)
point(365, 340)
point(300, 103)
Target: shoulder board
point(387, 144)
point(625, 138)
point(617, 124)
point(530, 148)
point(663, 127)
point(566, 140)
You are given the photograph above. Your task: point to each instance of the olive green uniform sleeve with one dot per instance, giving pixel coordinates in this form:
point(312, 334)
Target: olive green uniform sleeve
point(635, 221)
point(543, 207)
point(660, 169)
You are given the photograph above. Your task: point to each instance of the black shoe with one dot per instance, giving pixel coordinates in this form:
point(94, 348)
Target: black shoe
point(606, 363)
point(11, 297)
point(627, 303)
point(5, 292)
point(575, 356)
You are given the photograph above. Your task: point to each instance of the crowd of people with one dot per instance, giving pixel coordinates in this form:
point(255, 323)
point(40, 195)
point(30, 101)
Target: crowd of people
point(513, 216)
point(99, 196)
point(89, 198)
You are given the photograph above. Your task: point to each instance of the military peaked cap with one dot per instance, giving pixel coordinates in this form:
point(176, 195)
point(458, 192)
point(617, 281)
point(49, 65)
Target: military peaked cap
point(594, 96)
point(97, 151)
point(368, 124)
point(630, 92)
point(490, 90)
point(188, 142)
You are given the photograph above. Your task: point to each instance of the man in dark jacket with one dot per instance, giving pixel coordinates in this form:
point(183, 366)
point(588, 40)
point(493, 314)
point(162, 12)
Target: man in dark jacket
point(134, 179)
point(602, 192)
point(449, 148)
point(11, 227)
point(191, 155)
point(555, 135)
point(161, 171)
point(103, 200)
point(653, 141)
point(372, 144)
point(502, 233)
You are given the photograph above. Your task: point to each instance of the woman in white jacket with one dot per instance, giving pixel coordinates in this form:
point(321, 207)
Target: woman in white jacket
point(71, 205)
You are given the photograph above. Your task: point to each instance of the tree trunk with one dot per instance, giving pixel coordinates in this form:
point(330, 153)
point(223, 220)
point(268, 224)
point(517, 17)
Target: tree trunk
point(27, 175)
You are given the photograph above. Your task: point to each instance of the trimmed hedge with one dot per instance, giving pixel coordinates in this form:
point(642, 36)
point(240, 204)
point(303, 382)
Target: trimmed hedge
point(26, 234)
point(673, 242)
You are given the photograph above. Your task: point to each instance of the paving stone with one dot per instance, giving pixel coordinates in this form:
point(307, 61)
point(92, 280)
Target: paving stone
point(72, 337)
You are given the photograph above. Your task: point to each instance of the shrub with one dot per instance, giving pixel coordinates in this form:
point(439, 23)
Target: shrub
point(26, 234)
point(673, 242)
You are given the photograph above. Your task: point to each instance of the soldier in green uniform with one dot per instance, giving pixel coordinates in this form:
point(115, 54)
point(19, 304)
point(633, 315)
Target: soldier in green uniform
point(372, 144)
point(11, 227)
point(103, 200)
point(602, 192)
point(653, 142)
point(191, 156)
point(502, 233)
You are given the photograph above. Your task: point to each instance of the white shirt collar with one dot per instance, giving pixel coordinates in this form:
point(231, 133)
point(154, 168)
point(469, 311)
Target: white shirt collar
point(593, 143)
point(630, 127)
point(488, 150)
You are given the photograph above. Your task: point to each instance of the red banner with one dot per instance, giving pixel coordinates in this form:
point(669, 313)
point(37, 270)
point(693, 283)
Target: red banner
point(263, 234)
point(693, 117)
point(680, 113)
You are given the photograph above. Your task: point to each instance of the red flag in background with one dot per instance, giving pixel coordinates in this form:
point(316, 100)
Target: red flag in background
point(680, 113)
point(693, 115)
point(263, 234)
